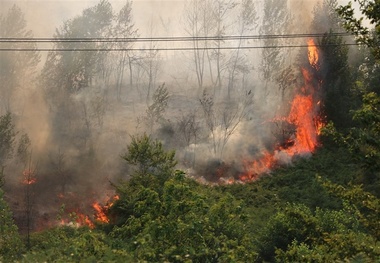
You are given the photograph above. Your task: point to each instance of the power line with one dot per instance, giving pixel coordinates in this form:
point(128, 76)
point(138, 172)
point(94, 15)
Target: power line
point(165, 39)
point(111, 40)
point(164, 49)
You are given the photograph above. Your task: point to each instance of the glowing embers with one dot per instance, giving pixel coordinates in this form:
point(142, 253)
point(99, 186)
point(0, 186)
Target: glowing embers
point(29, 177)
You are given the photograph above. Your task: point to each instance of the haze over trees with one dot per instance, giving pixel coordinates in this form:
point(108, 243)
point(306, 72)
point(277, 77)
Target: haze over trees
point(114, 149)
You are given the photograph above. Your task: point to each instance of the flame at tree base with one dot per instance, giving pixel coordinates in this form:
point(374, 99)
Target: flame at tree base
point(75, 217)
point(304, 116)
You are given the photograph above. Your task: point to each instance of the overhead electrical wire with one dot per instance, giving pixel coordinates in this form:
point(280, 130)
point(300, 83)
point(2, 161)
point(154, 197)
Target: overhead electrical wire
point(164, 49)
point(111, 40)
point(165, 39)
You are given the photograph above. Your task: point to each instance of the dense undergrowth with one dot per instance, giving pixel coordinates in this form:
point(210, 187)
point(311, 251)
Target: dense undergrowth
point(324, 208)
point(312, 211)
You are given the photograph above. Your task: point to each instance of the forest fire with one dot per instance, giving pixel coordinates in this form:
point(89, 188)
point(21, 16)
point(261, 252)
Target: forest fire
point(29, 177)
point(100, 211)
point(75, 217)
point(303, 115)
point(100, 214)
point(75, 212)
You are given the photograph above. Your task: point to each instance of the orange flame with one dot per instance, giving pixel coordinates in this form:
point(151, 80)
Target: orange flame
point(303, 115)
point(312, 53)
point(29, 181)
point(260, 166)
point(78, 221)
point(84, 220)
point(74, 217)
point(100, 215)
point(29, 177)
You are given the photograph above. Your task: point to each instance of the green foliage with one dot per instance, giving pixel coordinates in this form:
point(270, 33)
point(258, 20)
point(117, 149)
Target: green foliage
point(183, 224)
point(365, 205)
point(363, 140)
point(153, 164)
point(74, 72)
point(10, 241)
point(16, 67)
point(366, 138)
point(370, 10)
point(337, 81)
point(69, 244)
point(11, 245)
point(155, 111)
point(351, 247)
point(7, 137)
point(296, 234)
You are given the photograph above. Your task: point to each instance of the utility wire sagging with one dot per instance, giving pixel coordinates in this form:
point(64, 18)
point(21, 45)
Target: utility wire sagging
point(168, 39)
point(112, 40)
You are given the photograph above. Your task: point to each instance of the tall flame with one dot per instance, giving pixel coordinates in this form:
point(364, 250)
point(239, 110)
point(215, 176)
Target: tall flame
point(303, 115)
point(100, 215)
point(312, 53)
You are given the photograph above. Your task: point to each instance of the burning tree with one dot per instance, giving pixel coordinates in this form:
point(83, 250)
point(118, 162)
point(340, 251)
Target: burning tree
point(304, 117)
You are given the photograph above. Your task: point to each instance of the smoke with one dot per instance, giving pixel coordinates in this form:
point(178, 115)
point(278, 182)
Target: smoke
point(220, 132)
point(302, 11)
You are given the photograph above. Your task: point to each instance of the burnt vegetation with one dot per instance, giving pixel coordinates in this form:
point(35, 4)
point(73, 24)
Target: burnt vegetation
point(118, 151)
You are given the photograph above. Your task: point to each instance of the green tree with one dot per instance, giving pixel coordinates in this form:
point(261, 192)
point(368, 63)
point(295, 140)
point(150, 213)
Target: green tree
point(67, 73)
point(370, 11)
point(333, 71)
point(364, 205)
point(154, 166)
point(74, 70)
point(125, 28)
point(297, 234)
point(7, 138)
point(366, 138)
point(10, 242)
point(11, 245)
point(17, 68)
point(183, 224)
point(156, 110)
point(337, 85)
point(363, 140)
point(161, 215)
point(276, 21)
point(69, 244)
point(246, 22)
point(80, 67)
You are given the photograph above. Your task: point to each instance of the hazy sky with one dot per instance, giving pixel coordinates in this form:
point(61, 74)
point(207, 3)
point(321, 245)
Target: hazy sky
point(44, 16)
